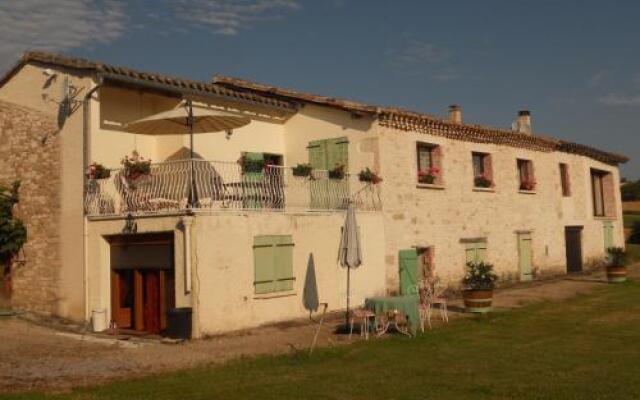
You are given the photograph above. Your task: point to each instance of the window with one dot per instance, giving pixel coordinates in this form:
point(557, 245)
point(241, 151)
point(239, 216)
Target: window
point(602, 191)
point(482, 170)
point(526, 176)
point(476, 250)
point(564, 180)
point(429, 163)
point(597, 189)
point(273, 263)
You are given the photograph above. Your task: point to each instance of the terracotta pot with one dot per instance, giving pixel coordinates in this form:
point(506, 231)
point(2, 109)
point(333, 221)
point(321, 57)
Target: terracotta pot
point(617, 274)
point(477, 301)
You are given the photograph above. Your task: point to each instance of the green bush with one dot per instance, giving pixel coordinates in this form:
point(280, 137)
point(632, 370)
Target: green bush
point(635, 233)
point(479, 276)
point(631, 191)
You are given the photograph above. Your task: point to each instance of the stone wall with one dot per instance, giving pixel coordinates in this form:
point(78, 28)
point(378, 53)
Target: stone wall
point(30, 152)
point(445, 216)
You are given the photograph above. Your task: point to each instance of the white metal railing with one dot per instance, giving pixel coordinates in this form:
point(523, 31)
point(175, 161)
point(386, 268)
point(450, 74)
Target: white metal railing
point(217, 185)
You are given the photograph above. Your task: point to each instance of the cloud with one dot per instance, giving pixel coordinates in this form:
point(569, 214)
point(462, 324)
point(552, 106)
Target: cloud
point(616, 100)
point(416, 52)
point(57, 25)
point(228, 17)
point(598, 78)
point(421, 58)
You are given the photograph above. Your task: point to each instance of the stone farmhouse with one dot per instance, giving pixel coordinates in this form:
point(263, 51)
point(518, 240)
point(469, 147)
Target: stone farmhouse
point(260, 243)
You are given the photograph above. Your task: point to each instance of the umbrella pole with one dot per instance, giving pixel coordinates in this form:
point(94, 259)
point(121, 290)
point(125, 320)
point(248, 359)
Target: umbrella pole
point(348, 295)
point(192, 183)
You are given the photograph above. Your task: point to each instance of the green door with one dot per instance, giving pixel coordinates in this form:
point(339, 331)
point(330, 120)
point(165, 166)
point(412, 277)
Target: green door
point(524, 256)
point(252, 179)
point(325, 155)
point(408, 264)
point(607, 227)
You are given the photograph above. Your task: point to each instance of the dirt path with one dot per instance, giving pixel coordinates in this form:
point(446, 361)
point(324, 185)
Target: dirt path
point(35, 357)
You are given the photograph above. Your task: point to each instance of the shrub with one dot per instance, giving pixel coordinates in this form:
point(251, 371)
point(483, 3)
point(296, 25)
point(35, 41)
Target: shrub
point(631, 191)
point(617, 256)
point(479, 276)
point(634, 238)
point(13, 233)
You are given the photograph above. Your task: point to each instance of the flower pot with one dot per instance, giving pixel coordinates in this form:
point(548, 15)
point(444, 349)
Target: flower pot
point(428, 179)
point(617, 274)
point(477, 301)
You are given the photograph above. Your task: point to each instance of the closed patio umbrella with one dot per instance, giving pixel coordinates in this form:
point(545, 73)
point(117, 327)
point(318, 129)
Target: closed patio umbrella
point(187, 120)
point(350, 252)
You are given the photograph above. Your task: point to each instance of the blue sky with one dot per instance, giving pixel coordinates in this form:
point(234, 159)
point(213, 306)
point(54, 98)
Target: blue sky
point(574, 64)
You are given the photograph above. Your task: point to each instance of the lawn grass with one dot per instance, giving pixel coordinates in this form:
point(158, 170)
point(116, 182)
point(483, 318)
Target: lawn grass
point(630, 219)
point(583, 348)
point(633, 251)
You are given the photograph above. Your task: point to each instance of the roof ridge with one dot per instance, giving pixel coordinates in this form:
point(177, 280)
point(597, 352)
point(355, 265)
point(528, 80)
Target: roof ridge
point(78, 63)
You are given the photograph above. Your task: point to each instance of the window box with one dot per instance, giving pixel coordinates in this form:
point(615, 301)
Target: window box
point(429, 186)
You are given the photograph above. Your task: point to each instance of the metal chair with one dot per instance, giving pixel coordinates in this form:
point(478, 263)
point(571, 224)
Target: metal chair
point(364, 316)
point(429, 296)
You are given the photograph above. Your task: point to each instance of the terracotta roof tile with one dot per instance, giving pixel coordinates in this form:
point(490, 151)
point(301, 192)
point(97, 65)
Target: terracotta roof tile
point(406, 120)
point(96, 67)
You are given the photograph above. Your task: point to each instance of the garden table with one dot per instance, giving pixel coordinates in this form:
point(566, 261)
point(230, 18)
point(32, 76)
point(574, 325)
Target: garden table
point(407, 305)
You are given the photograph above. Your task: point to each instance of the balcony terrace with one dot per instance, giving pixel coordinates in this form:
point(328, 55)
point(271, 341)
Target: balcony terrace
point(199, 186)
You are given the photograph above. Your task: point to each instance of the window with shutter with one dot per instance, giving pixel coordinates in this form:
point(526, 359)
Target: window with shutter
point(273, 263)
point(429, 158)
point(476, 251)
point(482, 170)
point(325, 155)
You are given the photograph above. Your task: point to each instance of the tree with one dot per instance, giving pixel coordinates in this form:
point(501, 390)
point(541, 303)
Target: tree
point(13, 233)
point(631, 191)
point(634, 238)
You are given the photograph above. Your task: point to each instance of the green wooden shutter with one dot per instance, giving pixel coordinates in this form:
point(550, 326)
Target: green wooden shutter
point(607, 227)
point(408, 264)
point(338, 152)
point(283, 262)
point(318, 154)
point(264, 271)
point(476, 252)
point(524, 255)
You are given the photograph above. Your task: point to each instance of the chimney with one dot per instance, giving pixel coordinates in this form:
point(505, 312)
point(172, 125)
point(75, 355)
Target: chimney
point(455, 114)
point(523, 123)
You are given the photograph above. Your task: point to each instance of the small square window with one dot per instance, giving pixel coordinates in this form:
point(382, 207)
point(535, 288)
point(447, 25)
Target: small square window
point(527, 180)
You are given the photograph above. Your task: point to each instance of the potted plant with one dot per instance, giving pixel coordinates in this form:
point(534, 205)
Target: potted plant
point(135, 167)
point(249, 165)
point(302, 170)
point(528, 184)
point(98, 171)
point(338, 172)
point(616, 270)
point(479, 282)
point(482, 181)
point(366, 175)
point(429, 176)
